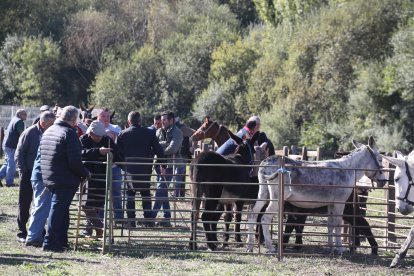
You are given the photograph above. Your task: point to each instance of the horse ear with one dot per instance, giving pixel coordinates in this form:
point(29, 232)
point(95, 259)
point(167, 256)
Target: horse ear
point(235, 137)
point(112, 115)
point(395, 161)
point(399, 155)
point(82, 107)
point(207, 119)
point(356, 144)
point(371, 142)
point(90, 109)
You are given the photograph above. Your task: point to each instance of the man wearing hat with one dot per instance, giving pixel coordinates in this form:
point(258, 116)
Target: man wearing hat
point(43, 108)
point(95, 146)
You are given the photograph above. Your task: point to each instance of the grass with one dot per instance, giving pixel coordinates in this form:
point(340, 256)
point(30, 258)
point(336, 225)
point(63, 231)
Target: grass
point(16, 259)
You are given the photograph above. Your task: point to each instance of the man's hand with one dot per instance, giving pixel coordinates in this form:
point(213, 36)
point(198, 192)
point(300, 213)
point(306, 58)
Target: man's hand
point(111, 135)
point(104, 151)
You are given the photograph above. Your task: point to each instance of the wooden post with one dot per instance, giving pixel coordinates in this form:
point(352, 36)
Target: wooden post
point(304, 153)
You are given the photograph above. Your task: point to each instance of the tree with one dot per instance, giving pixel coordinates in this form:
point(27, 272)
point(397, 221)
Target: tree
point(131, 85)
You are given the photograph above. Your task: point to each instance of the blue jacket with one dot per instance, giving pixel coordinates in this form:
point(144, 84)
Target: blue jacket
point(229, 147)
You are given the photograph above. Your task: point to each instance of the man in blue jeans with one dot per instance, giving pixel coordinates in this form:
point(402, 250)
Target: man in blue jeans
point(170, 138)
point(15, 128)
point(62, 171)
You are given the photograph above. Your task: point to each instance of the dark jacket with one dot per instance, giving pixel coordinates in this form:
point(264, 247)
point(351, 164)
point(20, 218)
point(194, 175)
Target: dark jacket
point(15, 128)
point(27, 148)
point(60, 159)
point(139, 144)
point(90, 152)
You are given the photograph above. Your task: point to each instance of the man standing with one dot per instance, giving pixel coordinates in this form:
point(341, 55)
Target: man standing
point(170, 138)
point(25, 156)
point(15, 128)
point(62, 171)
point(157, 123)
point(112, 131)
point(139, 144)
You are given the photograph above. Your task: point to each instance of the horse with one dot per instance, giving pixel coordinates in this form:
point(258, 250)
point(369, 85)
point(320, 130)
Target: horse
point(404, 196)
point(211, 129)
point(219, 189)
point(297, 218)
point(305, 188)
point(86, 113)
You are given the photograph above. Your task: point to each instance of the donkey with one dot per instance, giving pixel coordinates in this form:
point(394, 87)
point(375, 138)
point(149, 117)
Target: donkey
point(220, 184)
point(404, 195)
point(312, 184)
point(296, 221)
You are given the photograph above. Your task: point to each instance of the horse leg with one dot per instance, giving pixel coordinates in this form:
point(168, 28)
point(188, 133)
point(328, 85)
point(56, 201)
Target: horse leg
point(237, 219)
point(252, 216)
point(227, 220)
point(403, 250)
point(288, 229)
point(259, 230)
point(215, 218)
point(335, 213)
point(207, 217)
point(300, 219)
point(194, 218)
point(268, 215)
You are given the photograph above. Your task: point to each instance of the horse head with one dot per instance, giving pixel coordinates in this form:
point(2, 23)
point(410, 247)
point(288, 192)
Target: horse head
point(206, 130)
point(86, 113)
point(374, 166)
point(404, 194)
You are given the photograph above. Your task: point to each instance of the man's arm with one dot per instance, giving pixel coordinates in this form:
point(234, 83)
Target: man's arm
point(73, 151)
point(175, 144)
point(21, 152)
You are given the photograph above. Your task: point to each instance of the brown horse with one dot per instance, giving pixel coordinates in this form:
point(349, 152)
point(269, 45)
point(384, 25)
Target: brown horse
point(211, 129)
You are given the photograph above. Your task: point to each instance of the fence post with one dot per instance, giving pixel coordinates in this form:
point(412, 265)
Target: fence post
point(281, 210)
point(108, 211)
point(390, 208)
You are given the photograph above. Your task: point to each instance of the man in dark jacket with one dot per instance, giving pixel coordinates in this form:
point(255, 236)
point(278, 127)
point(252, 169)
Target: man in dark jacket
point(62, 171)
point(15, 128)
point(139, 144)
point(25, 156)
point(95, 146)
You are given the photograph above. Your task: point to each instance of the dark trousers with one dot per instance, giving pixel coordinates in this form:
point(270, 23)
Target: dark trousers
point(25, 200)
point(58, 221)
point(144, 189)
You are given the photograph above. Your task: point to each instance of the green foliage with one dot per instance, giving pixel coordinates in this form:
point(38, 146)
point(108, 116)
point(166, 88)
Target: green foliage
point(131, 85)
point(245, 10)
point(31, 69)
point(229, 73)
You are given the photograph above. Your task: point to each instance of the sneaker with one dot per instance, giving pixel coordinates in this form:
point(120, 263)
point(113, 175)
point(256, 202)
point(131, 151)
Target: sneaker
point(21, 237)
point(87, 232)
point(34, 243)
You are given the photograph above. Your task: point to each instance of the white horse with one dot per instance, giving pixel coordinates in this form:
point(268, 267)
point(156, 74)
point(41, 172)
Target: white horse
point(404, 195)
point(320, 183)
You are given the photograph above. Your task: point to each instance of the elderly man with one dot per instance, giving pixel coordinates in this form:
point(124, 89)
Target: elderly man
point(112, 131)
point(171, 139)
point(62, 171)
point(14, 130)
point(25, 156)
point(250, 128)
point(95, 146)
point(139, 144)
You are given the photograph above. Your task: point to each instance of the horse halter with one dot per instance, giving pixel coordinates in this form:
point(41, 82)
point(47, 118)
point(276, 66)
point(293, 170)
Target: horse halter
point(380, 167)
point(410, 183)
point(205, 131)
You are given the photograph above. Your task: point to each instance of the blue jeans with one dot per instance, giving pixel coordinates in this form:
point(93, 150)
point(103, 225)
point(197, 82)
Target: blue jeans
point(40, 212)
point(117, 192)
point(179, 180)
point(9, 167)
point(161, 194)
point(229, 147)
point(58, 221)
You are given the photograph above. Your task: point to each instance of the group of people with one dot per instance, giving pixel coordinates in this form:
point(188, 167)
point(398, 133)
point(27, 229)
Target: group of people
point(49, 156)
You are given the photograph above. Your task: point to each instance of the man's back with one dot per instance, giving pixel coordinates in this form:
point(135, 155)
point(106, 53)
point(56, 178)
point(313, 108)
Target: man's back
point(138, 142)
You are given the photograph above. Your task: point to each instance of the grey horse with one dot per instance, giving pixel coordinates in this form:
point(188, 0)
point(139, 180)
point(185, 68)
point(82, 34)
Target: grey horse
point(313, 184)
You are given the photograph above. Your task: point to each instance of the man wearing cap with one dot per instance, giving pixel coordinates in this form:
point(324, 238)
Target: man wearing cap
point(14, 130)
point(250, 128)
point(95, 146)
point(25, 156)
point(62, 172)
point(43, 108)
